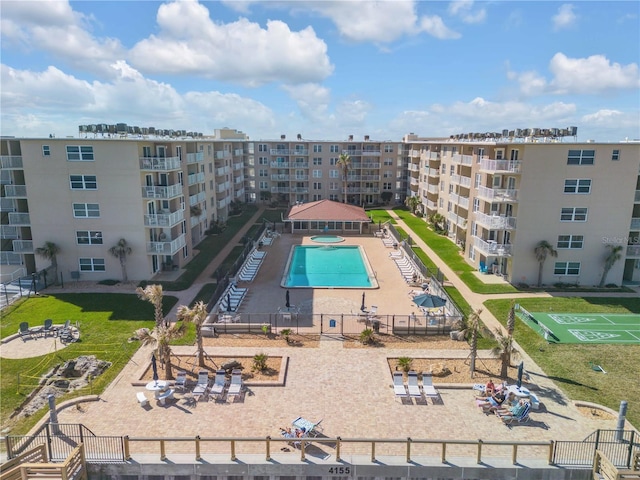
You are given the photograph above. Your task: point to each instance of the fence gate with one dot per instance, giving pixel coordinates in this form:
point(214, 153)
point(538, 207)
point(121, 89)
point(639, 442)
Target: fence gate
point(618, 445)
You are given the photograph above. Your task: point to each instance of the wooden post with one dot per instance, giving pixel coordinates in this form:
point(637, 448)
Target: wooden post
point(373, 452)
point(198, 457)
point(268, 448)
point(127, 453)
point(233, 450)
point(163, 455)
point(408, 449)
point(338, 439)
point(444, 452)
point(514, 454)
point(479, 458)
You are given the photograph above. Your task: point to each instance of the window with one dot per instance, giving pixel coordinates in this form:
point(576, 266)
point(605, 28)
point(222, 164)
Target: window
point(499, 154)
point(581, 157)
point(477, 180)
point(386, 186)
point(388, 149)
point(570, 241)
point(334, 174)
point(263, 172)
point(573, 214)
point(442, 186)
point(83, 182)
point(84, 210)
point(317, 185)
point(334, 148)
point(441, 202)
point(92, 264)
point(387, 174)
point(317, 161)
point(317, 197)
point(566, 268)
point(46, 151)
point(615, 155)
point(449, 206)
point(87, 237)
point(333, 186)
point(452, 170)
point(451, 188)
point(444, 168)
point(577, 186)
point(317, 173)
point(262, 147)
point(476, 204)
point(264, 185)
point(333, 161)
point(263, 161)
point(317, 148)
point(514, 154)
point(333, 197)
point(77, 153)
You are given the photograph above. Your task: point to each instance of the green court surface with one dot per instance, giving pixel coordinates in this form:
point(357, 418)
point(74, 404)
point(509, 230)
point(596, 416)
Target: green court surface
point(587, 328)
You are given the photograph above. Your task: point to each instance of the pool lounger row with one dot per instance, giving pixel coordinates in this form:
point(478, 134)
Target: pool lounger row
point(236, 295)
point(250, 268)
point(407, 269)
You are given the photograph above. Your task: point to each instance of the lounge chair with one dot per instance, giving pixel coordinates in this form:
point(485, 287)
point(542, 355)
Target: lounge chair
point(312, 429)
point(65, 334)
point(398, 385)
point(235, 388)
point(181, 380)
point(219, 384)
point(483, 268)
point(200, 390)
point(427, 386)
point(412, 384)
point(48, 329)
point(509, 418)
point(25, 331)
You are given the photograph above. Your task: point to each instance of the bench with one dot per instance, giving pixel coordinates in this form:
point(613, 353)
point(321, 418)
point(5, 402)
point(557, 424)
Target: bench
point(210, 329)
point(168, 394)
point(142, 399)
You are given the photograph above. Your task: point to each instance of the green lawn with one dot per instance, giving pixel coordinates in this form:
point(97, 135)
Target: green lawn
point(106, 322)
point(380, 215)
point(569, 364)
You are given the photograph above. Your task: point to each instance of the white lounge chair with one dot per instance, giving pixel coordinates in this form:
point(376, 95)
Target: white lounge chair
point(200, 390)
point(412, 384)
point(235, 388)
point(181, 380)
point(398, 385)
point(427, 386)
point(219, 383)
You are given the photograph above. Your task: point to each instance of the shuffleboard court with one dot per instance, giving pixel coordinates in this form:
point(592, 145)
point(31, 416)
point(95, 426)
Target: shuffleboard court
point(613, 328)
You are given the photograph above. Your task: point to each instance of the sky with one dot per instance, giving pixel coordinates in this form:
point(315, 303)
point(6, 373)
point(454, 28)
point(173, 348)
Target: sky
point(321, 69)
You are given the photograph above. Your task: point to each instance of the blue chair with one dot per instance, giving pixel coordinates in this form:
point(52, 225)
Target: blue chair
point(483, 267)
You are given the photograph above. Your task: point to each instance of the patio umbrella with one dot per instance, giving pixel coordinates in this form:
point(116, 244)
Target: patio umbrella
point(363, 307)
point(429, 301)
point(228, 302)
point(520, 373)
point(287, 304)
point(154, 367)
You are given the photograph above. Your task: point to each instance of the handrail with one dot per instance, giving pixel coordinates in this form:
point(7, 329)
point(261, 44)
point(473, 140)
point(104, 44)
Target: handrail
point(73, 468)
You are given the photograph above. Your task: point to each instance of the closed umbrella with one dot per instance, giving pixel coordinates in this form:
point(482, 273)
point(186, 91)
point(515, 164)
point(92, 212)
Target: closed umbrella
point(228, 302)
point(287, 303)
point(363, 307)
point(154, 367)
point(429, 301)
point(520, 373)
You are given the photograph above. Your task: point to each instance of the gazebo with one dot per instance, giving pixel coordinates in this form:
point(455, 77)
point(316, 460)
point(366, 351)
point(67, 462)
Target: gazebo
point(327, 216)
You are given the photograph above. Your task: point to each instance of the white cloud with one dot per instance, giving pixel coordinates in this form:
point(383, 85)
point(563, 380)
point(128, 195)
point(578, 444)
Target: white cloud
point(565, 17)
point(610, 123)
point(312, 100)
point(464, 10)
point(591, 75)
point(190, 43)
point(434, 26)
point(351, 113)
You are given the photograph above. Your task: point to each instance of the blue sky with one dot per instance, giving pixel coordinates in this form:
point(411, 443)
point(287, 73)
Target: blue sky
point(324, 69)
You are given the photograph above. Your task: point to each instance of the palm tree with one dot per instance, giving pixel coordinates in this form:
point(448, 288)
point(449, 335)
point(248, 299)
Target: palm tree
point(153, 294)
point(542, 249)
point(612, 257)
point(120, 250)
point(504, 350)
point(473, 324)
point(49, 251)
point(344, 162)
point(160, 337)
point(413, 202)
point(511, 318)
point(196, 315)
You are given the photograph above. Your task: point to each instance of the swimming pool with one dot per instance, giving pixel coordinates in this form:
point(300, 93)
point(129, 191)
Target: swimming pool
point(327, 239)
point(328, 267)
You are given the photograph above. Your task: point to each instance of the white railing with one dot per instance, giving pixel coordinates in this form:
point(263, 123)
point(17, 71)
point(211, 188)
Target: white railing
point(433, 172)
point(461, 180)
point(491, 248)
point(23, 246)
point(414, 167)
point(195, 157)
point(637, 196)
point(223, 202)
point(15, 191)
point(221, 187)
point(19, 218)
point(432, 188)
point(431, 204)
point(8, 205)
point(239, 179)
point(165, 192)
point(223, 155)
point(197, 220)
point(10, 258)
point(414, 153)
point(164, 219)
point(462, 159)
point(238, 152)
point(301, 178)
point(197, 198)
point(159, 163)
point(223, 171)
point(507, 166)
point(414, 181)
point(372, 178)
point(633, 251)
point(195, 178)
point(10, 161)
point(240, 193)
point(280, 176)
point(9, 232)
point(167, 247)
point(280, 189)
point(495, 222)
point(433, 155)
point(280, 165)
point(635, 223)
point(498, 195)
point(237, 166)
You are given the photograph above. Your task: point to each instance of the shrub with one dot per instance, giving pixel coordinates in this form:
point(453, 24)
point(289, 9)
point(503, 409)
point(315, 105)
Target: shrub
point(367, 337)
point(405, 363)
point(286, 333)
point(260, 362)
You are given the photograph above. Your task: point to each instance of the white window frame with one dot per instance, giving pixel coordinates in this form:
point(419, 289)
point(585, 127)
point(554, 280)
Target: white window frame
point(89, 237)
point(334, 174)
point(83, 182)
point(80, 153)
point(388, 149)
point(317, 148)
point(46, 151)
point(317, 185)
point(570, 242)
point(580, 183)
point(90, 210)
point(92, 265)
point(317, 160)
point(316, 173)
point(615, 155)
point(567, 269)
point(573, 214)
point(581, 157)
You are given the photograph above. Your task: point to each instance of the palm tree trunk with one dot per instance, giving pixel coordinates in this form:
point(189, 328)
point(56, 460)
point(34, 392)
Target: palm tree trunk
point(474, 350)
point(540, 264)
point(604, 276)
point(167, 363)
point(200, 346)
point(504, 368)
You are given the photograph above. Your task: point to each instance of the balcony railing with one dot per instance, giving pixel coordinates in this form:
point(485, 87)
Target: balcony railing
point(195, 157)
point(238, 152)
point(299, 190)
point(457, 219)
point(635, 223)
point(375, 165)
point(414, 181)
point(498, 195)
point(500, 166)
point(280, 189)
point(371, 152)
point(23, 246)
point(432, 188)
point(433, 155)
point(19, 219)
point(280, 176)
point(431, 204)
point(223, 155)
point(462, 159)
point(10, 258)
point(636, 199)
point(159, 164)
point(10, 161)
point(240, 193)
point(299, 164)
point(280, 165)
point(300, 178)
point(163, 192)
point(222, 171)
point(433, 172)
point(414, 167)
point(460, 180)
point(414, 153)
point(170, 247)
point(15, 191)
point(238, 166)
point(196, 178)
point(193, 221)
point(239, 179)
point(223, 202)
point(633, 251)
point(491, 248)
point(222, 187)
point(197, 198)
point(9, 232)
point(164, 219)
point(495, 222)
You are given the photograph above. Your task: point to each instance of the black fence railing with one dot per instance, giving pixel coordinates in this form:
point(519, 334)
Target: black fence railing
point(619, 446)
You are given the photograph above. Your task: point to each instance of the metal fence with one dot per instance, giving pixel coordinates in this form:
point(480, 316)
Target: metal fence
point(619, 446)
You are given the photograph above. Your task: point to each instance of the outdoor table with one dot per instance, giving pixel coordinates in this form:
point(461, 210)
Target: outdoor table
point(157, 385)
point(518, 391)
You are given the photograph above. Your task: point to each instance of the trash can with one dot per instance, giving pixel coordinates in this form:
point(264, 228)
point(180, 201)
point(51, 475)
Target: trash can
point(376, 325)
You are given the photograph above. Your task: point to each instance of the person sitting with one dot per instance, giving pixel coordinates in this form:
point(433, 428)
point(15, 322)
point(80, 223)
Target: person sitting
point(287, 433)
point(300, 432)
point(492, 402)
point(489, 388)
point(514, 412)
point(511, 401)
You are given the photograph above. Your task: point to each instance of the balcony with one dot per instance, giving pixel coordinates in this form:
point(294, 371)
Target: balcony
point(459, 200)
point(636, 199)
point(414, 167)
point(164, 219)
point(432, 188)
point(195, 157)
point(194, 221)
point(10, 258)
point(223, 187)
point(433, 172)
point(300, 165)
point(19, 219)
point(10, 162)
point(223, 155)
point(5, 177)
point(457, 219)
point(223, 202)
point(15, 191)
point(222, 171)
point(240, 193)
point(9, 232)
point(500, 166)
point(170, 247)
point(280, 177)
point(462, 159)
point(431, 204)
point(162, 192)
point(370, 178)
point(414, 153)
point(160, 164)
point(301, 178)
point(238, 152)
point(280, 165)
point(497, 195)
point(460, 180)
point(239, 179)
point(414, 182)
point(371, 152)
point(195, 178)
point(433, 155)
point(238, 166)
point(490, 248)
point(635, 223)
point(495, 222)
point(375, 165)
point(299, 189)
point(633, 251)
point(23, 246)
point(197, 198)
point(280, 189)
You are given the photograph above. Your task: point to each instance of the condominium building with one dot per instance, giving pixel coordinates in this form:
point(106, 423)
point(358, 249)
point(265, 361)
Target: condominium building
point(501, 195)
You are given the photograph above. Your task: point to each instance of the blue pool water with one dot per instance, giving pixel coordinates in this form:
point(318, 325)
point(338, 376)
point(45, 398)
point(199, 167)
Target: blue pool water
point(328, 266)
point(327, 239)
